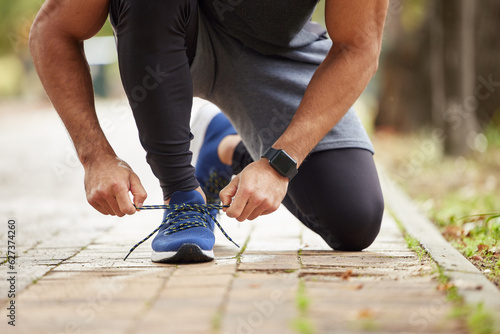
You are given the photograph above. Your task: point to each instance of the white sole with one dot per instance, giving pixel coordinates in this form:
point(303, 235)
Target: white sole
point(188, 253)
point(199, 124)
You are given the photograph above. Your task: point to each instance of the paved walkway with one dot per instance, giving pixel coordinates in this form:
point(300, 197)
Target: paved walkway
point(71, 277)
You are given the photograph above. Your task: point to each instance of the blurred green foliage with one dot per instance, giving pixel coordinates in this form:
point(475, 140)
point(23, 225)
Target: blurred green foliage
point(413, 14)
point(16, 18)
point(15, 22)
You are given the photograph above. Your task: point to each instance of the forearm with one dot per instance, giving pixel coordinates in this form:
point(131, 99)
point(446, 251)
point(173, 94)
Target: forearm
point(336, 85)
point(65, 75)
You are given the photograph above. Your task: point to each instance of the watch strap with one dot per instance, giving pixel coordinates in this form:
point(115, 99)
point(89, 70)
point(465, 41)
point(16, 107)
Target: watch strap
point(272, 153)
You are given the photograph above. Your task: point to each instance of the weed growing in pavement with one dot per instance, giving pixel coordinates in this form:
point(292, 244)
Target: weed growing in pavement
point(242, 250)
point(415, 246)
point(217, 320)
point(477, 318)
point(452, 294)
point(302, 324)
point(480, 321)
point(412, 242)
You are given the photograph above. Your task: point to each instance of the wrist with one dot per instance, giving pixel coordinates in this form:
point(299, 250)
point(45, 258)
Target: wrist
point(89, 160)
point(281, 162)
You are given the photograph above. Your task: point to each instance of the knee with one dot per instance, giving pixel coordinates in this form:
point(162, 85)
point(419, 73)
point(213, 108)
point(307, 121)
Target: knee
point(357, 225)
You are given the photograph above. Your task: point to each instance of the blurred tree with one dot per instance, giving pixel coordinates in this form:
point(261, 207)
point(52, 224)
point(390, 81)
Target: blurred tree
point(453, 73)
point(487, 61)
point(404, 68)
point(440, 67)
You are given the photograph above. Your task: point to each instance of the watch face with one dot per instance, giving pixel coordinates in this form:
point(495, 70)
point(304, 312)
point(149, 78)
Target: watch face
point(283, 162)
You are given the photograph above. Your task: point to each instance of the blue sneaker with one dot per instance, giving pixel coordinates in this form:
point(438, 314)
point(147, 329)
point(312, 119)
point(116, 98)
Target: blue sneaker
point(187, 234)
point(211, 125)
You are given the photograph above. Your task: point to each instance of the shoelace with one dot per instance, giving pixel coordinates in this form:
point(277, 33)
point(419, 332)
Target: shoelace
point(179, 225)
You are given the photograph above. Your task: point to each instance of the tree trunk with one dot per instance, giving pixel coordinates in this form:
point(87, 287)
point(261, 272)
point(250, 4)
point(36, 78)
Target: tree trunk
point(459, 115)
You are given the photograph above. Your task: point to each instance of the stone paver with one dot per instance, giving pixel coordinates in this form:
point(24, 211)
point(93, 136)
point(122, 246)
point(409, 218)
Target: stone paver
point(72, 277)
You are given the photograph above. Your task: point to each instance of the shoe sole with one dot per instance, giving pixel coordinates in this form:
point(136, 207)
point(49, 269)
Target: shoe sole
point(201, 120)
point(188, 253)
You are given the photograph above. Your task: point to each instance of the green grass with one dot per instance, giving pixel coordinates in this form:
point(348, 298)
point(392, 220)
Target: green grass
point(477, 319)
point(242, 250)
point(217, 321)
point(415, 246)
point(411, 241)
point(301, 300)
point(302, 324)
point(452, 294)
point(480, 321)
point(369, 325)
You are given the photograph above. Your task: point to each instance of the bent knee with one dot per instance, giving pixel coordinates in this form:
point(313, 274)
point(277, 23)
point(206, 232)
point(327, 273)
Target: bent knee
point(357, 228)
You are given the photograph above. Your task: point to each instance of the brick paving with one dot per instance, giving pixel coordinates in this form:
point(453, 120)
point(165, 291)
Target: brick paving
point(72, 277)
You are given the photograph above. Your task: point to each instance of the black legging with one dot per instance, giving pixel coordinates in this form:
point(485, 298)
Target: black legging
point(336, 192)
point(156, 40)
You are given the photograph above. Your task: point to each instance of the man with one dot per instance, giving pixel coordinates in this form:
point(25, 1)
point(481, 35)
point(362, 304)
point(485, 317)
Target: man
point(286, 88)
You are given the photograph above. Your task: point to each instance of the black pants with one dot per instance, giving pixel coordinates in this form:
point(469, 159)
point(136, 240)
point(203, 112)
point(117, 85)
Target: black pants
point(336, 192)
point(156, 41)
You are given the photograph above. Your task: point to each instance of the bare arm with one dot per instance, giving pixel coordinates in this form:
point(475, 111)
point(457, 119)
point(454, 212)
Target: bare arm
point(56, 43)
point(356, 28)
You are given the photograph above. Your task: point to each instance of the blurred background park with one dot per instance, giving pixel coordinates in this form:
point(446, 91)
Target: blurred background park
point(432, 110)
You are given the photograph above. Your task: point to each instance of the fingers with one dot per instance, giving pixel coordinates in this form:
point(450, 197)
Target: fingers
point(106, 202)
point(247, 202)
point(226, 195)
point(123, 200)
point(257, 206)
point(113, 199)
point(137, 191)
point(99, 208)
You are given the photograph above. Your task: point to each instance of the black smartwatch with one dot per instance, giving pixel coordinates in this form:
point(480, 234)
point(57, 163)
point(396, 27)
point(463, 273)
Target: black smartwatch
point(281, 162)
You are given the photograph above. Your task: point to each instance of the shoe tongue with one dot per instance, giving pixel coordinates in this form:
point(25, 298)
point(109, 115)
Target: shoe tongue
point(188, 197)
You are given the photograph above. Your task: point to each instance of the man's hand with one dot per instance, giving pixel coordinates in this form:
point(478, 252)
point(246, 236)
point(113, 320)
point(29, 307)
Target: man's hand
point(107, 183)
point(257, 190)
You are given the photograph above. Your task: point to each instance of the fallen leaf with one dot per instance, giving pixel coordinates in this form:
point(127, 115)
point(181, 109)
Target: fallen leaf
point(365, 314)
point(346, 275)
point(354, 287)
point(444, 287)
point(453, 231)
point(255, 285)
point(477, 257)
point(482, 247)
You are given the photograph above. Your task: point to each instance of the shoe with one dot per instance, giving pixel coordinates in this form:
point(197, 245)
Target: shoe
point(187, 232)
point(211, 125)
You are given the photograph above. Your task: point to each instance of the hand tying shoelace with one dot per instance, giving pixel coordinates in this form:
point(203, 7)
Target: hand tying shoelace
point(180, 224)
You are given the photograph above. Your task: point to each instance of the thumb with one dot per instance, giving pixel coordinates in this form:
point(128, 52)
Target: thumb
point(137, 191)
point(226, 195)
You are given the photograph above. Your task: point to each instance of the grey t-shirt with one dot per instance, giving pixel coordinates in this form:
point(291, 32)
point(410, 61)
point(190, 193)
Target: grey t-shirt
point(267, 26)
